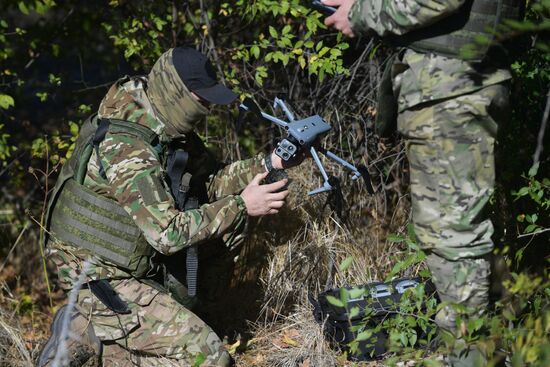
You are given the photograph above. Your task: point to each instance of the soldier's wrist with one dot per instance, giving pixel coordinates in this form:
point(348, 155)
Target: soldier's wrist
point(240, 202)
point(272, 161)
point(268, 163)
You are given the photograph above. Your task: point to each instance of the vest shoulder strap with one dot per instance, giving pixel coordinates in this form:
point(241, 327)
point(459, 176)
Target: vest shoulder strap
point(119, 127)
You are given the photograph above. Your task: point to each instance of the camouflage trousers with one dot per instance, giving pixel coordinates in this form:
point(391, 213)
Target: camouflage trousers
point(157, 332)
point(450, 147)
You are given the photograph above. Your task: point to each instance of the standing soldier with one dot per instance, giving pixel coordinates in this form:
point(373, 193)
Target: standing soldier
point(450, 99)
point(138, 200)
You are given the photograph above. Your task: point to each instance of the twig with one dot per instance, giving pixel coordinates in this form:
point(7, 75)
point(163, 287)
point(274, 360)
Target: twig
point(42, 228)
point(11, 163)
point(14, 246)
point(174, 24)
point(95, 87)
point(534, 233)
point(540, 139)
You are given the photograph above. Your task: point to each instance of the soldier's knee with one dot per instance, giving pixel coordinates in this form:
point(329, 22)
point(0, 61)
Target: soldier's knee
point(216, 354)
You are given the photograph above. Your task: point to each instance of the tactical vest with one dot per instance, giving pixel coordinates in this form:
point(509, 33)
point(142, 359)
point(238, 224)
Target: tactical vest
point(455, 36)
point(86, 220)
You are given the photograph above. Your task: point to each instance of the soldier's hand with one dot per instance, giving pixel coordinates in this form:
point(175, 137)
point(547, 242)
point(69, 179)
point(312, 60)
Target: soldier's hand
point(339, 19)
point(263, 199)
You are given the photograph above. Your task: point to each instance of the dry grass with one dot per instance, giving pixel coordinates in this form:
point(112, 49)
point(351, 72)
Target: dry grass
point(302, 249)
point(13, 348)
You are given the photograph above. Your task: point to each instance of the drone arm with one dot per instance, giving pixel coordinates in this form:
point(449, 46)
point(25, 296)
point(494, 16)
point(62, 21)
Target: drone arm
point(281, 103)
point(275, 120)
point(266, 116)
point(334, 157)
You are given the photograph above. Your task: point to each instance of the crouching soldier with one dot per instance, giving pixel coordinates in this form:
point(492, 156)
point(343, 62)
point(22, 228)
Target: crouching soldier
point(138, 200)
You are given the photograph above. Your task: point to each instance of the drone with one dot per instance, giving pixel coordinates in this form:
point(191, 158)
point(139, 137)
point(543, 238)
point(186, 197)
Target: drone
point(302, 136)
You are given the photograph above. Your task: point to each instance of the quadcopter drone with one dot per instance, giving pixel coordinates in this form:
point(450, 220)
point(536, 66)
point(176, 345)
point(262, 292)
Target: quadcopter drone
point(302, 134)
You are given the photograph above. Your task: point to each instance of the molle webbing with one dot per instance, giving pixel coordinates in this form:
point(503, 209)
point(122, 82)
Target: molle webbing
point(455, 36)
point(88, 220)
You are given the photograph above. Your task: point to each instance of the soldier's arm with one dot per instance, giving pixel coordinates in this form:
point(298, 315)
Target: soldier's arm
point(135, 177)
point(233, 178)
point(386, 17)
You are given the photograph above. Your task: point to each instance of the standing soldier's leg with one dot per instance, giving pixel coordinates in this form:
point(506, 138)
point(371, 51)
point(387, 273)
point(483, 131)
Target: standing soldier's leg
point(450, 146)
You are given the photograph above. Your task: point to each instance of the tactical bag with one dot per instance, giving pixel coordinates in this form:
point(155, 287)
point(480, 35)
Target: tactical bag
point(375, 302)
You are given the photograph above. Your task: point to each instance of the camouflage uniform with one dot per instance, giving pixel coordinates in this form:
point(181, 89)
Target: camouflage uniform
point(158, 330)
point(448, 113)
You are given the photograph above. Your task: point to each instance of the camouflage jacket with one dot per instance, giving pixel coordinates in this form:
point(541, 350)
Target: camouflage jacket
point(130, 163)
point(422, 77)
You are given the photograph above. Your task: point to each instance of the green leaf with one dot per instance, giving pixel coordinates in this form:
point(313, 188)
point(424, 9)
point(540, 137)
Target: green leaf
point(403, 339)
point(356, 293)
point(523, 191)
point(6, 101)
point(323, 51)
point(199, 360)
point(73, 127)
point(412, 338)
point(286, 29)
point(255, 51)
point(533, 170)
point(354, 312)
point(302, 62)
point(43, 96)
point(273, 32)
point(346, 263)
point(395, 238)
point(531, 228)
point(23, 8)
point(364, 335)
point(335, 301)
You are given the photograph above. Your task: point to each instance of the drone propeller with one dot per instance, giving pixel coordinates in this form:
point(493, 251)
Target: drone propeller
point(366, 176)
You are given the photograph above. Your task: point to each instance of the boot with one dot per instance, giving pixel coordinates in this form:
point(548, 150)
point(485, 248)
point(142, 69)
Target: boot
point(81, 347)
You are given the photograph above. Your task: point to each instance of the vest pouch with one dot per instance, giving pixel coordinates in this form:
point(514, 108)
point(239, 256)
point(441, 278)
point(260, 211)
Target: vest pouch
point(73, 168)
point(85, 219)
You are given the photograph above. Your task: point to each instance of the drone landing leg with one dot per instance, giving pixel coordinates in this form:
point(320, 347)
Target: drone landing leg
point(326, 185)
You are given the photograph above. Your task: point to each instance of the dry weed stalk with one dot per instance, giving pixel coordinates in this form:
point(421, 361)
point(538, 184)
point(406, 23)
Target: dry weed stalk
point(13, 351)
point(62, 357)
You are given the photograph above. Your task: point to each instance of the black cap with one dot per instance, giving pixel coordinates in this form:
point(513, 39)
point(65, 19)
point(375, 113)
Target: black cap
point(197, 73)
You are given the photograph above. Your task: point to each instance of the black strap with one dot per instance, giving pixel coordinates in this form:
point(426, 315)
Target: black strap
point(179, 186)
point(99, 136)
point(317, 310)
point(105, 292)
point(192, 266)
point(177, 162)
